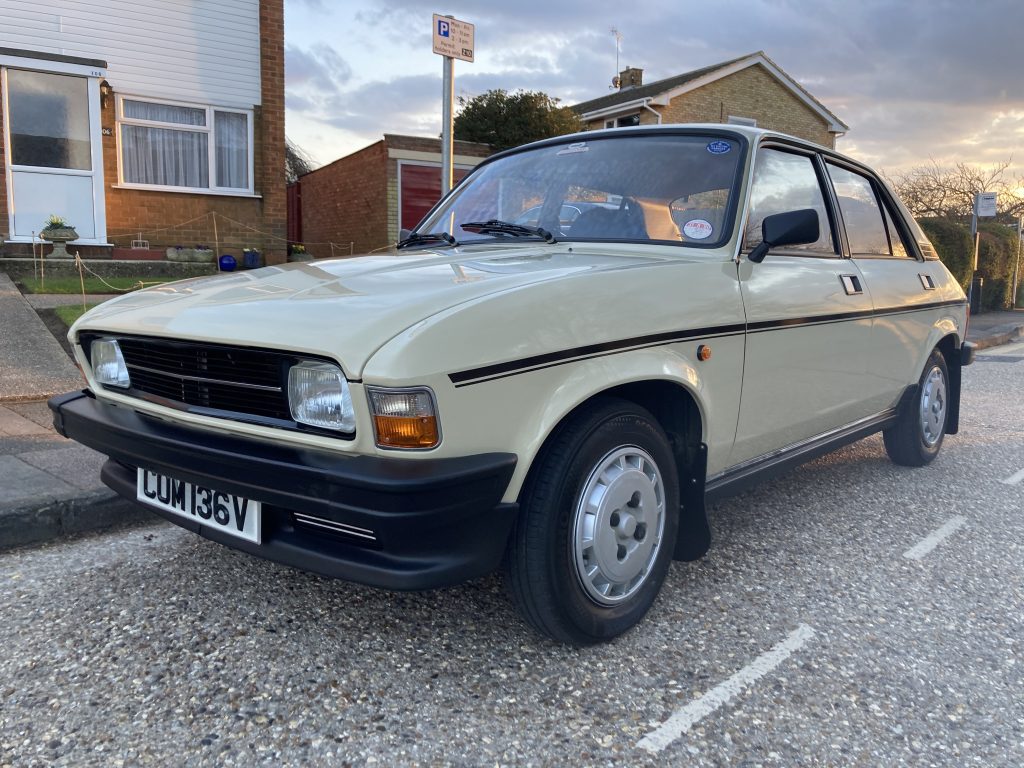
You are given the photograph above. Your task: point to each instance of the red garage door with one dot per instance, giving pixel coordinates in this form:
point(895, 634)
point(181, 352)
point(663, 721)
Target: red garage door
point(419, 187)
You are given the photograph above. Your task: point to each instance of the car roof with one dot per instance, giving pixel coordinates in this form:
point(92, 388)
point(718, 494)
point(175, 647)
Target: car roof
point(751, 134)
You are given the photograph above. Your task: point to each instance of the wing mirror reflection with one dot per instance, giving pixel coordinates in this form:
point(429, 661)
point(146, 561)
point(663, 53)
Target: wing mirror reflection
point(790, 228)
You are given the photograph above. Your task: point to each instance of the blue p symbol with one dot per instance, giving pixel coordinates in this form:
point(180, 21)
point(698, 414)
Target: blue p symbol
point(442, 28)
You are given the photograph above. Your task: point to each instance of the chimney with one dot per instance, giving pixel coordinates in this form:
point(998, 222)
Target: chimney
point(631, 77)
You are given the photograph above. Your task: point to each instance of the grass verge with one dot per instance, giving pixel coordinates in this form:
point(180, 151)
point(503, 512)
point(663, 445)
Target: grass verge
point(68, 315)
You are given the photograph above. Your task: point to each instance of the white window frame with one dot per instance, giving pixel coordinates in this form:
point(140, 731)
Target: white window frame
point(211, 147)
point(737, 120)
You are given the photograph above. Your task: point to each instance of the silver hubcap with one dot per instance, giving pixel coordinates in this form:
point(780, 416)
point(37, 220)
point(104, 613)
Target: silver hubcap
point(618, 525)
point(933, 406)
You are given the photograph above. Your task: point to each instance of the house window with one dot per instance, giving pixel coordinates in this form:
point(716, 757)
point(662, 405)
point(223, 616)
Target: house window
point(629, 120)
point(735, 120)
point(184, 146)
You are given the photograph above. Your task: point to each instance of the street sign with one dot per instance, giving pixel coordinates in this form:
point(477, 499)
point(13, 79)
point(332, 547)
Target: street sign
point(985, 204)
point(453, 38)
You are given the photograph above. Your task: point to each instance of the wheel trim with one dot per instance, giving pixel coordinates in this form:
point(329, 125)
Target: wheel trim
point(933, 407)
point(618, 525)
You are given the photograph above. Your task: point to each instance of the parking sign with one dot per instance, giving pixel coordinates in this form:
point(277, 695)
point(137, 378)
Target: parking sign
point(453, 37)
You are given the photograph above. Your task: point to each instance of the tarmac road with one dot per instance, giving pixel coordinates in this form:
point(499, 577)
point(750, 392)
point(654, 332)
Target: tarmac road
point(851, 613)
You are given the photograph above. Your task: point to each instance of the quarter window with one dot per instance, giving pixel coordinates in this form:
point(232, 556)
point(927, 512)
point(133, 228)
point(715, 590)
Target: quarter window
point(184, 146)
point(783, 182)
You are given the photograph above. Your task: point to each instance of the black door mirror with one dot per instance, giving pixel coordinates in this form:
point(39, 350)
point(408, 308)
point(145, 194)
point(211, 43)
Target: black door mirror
point(790, 228)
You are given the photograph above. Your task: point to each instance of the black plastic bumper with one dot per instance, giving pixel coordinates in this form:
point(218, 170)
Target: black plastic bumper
point(435, 522)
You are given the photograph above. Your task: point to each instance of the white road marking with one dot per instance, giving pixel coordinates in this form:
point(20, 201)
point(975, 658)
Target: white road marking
point(684, 719)
point(1013, 479)
point(933, 540)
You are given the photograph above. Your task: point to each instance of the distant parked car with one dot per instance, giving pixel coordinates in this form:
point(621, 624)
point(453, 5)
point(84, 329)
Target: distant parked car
point(582, 344)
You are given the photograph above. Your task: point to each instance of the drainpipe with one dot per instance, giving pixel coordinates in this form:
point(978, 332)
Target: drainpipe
point(647, 105)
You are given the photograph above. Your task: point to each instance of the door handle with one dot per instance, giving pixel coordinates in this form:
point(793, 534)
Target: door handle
point(851, 284)
point(926, 281)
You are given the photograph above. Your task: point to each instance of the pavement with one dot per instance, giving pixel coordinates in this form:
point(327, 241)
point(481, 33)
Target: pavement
point(50, 487)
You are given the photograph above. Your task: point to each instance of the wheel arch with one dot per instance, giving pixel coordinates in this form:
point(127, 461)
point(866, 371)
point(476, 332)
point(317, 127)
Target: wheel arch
point(678, 412)
point(673, 405)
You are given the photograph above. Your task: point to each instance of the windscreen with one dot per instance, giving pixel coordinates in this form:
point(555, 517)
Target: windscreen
point(653, 187)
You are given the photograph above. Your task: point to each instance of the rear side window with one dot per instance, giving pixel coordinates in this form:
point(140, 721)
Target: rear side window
point(869, 227)
point(783, 182)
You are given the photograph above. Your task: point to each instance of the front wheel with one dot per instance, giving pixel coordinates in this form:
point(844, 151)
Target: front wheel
point(916, 437)
point(597, 527)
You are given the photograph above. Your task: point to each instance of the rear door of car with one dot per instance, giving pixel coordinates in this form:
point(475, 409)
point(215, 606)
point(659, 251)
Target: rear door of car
point(902, 285)
point(808, 317)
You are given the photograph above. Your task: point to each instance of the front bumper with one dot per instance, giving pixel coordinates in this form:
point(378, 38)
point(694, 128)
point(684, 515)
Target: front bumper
point(436, 522)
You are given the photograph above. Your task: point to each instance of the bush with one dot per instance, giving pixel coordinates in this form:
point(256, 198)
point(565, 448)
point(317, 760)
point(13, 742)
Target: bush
point(997, 256)
point(953, 243)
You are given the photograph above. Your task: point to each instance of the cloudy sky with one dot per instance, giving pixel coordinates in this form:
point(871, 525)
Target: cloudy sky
point(915, 80)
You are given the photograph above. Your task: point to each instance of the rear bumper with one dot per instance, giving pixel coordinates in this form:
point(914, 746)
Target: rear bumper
point(435, 522)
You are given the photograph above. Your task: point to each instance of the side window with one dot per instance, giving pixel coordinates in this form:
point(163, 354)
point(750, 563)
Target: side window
point(864, 220)
point(783, 182)
point(899, 250)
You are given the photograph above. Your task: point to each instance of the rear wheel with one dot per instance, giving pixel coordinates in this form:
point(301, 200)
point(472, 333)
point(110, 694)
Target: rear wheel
point(916, 437)
point(597, 527)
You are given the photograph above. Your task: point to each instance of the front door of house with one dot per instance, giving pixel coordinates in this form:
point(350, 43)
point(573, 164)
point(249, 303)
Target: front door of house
point(51, 127)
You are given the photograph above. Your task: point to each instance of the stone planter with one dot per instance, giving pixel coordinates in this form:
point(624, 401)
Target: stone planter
point(179, 254)
point(59, 236)
point(195, 255)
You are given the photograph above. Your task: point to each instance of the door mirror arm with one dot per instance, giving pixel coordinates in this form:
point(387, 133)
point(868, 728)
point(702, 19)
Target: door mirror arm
point(790, 228)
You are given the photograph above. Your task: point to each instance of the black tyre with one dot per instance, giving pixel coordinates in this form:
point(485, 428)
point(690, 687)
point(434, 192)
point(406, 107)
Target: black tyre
point(915, 439)
point(597, 525)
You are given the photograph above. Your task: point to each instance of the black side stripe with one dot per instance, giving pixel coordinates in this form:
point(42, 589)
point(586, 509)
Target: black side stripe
point(589, 351)
point(536, 362)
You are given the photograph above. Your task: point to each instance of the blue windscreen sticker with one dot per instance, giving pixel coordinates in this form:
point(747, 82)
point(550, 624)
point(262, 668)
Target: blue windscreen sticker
point(719, 147)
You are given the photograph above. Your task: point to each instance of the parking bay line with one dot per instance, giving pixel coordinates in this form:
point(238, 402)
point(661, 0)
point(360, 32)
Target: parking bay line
point(1014, 479)
point(684, 719)
point(932, 540)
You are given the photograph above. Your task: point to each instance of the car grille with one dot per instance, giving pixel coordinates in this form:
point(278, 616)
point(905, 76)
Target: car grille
point(210, 376)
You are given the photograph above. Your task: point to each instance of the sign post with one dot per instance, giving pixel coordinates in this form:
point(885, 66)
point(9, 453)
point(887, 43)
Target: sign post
point(1016, 269)
point(453, 39)
point(984, 206)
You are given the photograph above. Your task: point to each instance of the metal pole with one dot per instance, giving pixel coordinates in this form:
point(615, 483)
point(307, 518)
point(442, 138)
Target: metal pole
point(974, 260)
point(1016, 269)
point(446, 125)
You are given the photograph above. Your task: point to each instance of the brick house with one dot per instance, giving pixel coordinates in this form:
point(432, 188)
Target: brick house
point(750, 90)
point(361, 201)
point(133, 116)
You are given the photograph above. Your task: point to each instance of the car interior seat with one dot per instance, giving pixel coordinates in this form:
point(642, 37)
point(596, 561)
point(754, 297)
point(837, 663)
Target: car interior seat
point(624, 223)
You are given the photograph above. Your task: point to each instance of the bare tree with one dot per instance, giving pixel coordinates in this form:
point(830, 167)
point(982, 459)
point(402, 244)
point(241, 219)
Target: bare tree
point(948, 192)
point(296, 161)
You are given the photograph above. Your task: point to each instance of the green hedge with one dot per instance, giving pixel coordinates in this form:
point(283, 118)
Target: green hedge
point(953, 243)
point(997, 256)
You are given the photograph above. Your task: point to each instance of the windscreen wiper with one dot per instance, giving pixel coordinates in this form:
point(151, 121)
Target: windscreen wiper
point(429, 237)
point(498, 227)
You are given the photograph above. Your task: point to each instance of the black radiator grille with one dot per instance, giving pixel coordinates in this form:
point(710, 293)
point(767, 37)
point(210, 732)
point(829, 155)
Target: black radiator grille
point(236, 379)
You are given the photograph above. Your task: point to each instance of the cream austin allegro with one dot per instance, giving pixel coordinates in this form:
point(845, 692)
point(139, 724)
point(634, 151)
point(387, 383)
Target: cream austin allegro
point(583, 344)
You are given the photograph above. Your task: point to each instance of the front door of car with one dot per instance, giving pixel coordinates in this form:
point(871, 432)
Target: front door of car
point(808, 319)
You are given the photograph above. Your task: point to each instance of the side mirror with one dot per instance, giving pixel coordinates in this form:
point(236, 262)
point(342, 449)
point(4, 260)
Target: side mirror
point(403, 234)
point(790, 228)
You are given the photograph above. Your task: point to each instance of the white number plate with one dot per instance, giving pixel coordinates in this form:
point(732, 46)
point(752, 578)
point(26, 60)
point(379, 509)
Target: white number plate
point(231, 514)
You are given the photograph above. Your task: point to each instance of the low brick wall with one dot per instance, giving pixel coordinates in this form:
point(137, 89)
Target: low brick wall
point(18, 268)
